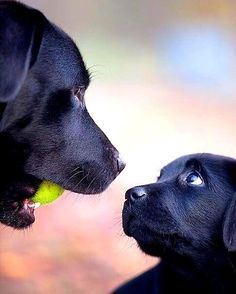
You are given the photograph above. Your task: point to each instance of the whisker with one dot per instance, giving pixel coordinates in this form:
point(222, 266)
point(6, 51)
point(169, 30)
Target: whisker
point(92, 181)
point(75, 173)
point(81, 180)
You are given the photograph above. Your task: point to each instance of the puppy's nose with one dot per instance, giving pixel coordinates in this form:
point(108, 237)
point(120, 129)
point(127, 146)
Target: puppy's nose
point(135, 193)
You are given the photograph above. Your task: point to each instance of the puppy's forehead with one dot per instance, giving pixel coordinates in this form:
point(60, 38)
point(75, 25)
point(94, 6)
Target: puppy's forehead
point(208, 161)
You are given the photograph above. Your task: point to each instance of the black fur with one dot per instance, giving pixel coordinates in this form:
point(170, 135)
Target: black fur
point(46, 130)
point(188, 219)
point(20, 38)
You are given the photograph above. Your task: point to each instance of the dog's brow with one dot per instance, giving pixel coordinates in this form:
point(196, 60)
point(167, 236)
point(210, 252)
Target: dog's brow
point(84, 81)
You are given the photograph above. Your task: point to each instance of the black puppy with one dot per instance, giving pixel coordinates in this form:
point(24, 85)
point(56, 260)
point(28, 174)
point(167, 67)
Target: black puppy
point(188, 218)
point(46, 130)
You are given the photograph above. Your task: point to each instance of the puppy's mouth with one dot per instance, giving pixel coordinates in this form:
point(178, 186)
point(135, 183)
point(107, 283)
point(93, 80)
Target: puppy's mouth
point(132, 224)
point(136, 226)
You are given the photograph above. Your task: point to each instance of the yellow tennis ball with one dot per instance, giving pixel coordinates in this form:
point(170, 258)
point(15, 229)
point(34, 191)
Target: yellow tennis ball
point(47, 193)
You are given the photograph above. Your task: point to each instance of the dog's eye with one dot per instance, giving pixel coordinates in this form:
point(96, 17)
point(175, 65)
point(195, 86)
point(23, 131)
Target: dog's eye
point(78, 93)
point(194, 178)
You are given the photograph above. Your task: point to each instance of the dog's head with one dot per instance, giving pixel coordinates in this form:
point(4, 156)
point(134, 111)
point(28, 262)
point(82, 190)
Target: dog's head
point(191, 207)
point(44, 116)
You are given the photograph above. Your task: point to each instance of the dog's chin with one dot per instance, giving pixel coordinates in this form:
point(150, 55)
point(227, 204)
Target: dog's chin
point(89, 186)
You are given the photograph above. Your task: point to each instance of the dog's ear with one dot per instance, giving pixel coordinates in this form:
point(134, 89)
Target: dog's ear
point(229, 226)
point(20, 38)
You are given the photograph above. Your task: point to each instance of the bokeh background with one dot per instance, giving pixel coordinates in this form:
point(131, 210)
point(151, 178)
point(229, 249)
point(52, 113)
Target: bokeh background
point(163, 85)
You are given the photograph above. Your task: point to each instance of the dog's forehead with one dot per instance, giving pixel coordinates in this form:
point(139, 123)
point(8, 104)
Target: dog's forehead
point(59, 58)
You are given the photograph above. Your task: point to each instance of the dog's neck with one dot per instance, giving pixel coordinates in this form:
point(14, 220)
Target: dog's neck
point(216, 271)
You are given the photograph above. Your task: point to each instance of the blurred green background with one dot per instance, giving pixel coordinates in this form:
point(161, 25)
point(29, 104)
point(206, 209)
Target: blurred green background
point(163, 85)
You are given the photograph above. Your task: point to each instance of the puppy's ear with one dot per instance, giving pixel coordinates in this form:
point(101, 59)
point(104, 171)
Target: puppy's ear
point(20, 38)
point(229, 226)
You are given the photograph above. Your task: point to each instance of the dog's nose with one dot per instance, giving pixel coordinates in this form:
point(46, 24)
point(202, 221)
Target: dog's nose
point(120, 164)
point(135, 193)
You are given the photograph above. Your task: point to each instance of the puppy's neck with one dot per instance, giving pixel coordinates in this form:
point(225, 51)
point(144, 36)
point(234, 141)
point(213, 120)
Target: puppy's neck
point(216, 271)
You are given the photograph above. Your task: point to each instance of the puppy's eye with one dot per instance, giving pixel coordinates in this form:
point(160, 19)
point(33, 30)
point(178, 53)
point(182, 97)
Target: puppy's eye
point(78, 93)
point(194, 178)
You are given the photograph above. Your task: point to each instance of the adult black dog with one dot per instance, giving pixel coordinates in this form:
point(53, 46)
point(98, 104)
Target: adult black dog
point(188, 218)
point(46, 131)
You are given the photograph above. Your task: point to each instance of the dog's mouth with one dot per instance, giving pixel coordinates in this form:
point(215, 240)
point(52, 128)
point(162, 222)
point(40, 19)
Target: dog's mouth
point(26, 206)
point(24, 211)
point(17, 208)
point(18, 214)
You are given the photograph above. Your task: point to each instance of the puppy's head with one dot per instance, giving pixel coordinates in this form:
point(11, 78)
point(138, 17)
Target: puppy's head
point(191, 207)
point(47, 121)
